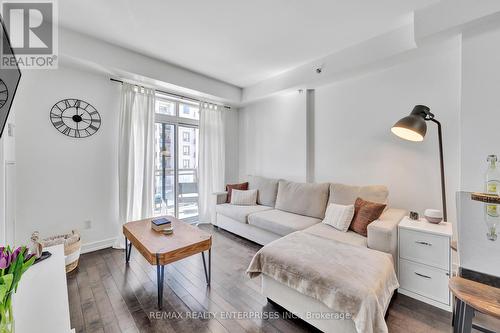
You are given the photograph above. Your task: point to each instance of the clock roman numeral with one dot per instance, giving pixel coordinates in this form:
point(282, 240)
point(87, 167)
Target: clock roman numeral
point(66, 103)
point(96, 121)
point(56, 107)
point(77, 134)
point(93, 112)
point(66, 131)
point(77, 103)
point(58, 124)
point(93, 127)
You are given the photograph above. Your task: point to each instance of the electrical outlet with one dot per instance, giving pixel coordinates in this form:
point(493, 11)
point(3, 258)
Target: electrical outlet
point(87, 224)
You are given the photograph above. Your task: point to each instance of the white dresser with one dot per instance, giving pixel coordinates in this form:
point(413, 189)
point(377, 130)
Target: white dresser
point(425, 261)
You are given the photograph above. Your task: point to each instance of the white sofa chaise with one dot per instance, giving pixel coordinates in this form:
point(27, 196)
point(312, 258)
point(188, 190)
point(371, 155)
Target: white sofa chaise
point(284, 207)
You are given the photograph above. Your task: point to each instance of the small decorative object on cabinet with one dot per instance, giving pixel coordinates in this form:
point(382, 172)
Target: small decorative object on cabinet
point(36, 246)
point(433, 215)
point(75, 118)
point(425, 261)
point(414, 216)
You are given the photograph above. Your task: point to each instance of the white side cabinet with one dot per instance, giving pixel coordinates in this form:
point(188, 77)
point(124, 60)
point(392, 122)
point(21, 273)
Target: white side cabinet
point(425, 261)
point(41, 302)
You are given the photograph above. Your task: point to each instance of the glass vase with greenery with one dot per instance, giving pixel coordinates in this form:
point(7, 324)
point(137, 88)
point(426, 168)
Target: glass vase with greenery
point(13, 264)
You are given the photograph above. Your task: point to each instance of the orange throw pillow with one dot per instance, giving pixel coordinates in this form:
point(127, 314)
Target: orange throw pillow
point(230, 187)
point(365, 212)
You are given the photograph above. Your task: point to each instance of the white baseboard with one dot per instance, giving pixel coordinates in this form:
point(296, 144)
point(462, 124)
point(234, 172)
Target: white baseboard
point(98, 245)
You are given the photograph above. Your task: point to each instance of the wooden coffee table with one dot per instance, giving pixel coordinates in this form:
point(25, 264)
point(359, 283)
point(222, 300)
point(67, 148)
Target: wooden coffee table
point(471, 296)
point(160, 249)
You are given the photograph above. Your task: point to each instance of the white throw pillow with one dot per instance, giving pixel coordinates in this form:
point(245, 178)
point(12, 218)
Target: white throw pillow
point(243, 198)
point(339, 216)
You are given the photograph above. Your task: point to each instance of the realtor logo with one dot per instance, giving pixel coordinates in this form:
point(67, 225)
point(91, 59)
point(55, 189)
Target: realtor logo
point(32, 30)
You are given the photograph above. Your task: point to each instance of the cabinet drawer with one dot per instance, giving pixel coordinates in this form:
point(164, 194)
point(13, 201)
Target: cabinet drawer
point(424, 280)
point(428, 249)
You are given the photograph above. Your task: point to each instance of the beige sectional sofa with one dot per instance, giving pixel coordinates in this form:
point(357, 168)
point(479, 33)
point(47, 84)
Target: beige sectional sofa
point(284, 207)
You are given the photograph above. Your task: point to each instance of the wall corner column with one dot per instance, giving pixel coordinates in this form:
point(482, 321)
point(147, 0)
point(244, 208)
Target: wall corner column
point(310, 95)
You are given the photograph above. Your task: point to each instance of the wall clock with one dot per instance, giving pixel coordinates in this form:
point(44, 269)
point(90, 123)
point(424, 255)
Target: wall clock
point(75, 118)
point(4, 93)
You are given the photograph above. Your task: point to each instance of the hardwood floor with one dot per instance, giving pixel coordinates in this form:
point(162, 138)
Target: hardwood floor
point(105, 295)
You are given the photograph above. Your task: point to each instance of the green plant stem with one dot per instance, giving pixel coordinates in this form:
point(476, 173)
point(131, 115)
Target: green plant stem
point(9, 309)
point(6, 316)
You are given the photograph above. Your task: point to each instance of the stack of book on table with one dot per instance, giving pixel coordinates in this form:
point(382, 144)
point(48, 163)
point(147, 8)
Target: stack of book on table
point(162, 225)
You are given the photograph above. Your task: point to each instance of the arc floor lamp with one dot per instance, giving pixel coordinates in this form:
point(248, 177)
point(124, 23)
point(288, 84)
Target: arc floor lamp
point(413, 128)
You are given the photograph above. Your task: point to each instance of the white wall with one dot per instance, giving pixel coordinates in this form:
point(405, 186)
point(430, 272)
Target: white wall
point(272, 137)
point(480, 128)
point(88, 52)
point(354, 143)
point(352, 138)
point(61, 181)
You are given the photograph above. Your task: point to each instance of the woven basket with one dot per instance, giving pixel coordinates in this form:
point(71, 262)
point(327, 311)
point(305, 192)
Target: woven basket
point(72, 247)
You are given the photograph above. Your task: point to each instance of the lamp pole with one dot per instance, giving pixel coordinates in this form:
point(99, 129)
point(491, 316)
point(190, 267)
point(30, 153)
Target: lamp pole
point(441, 161)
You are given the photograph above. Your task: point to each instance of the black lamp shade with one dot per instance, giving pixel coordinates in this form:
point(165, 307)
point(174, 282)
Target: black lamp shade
point(412, 127)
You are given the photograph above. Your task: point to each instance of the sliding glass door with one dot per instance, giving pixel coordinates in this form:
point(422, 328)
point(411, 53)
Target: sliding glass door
point(176, 158)
point(165, 175)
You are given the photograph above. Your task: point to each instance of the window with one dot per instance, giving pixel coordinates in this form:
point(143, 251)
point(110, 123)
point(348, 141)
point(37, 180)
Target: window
point(165, 107)
point(176, 158)
point(189, 110)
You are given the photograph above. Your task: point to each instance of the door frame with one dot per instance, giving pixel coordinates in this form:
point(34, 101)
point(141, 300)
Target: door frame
point(176, 121)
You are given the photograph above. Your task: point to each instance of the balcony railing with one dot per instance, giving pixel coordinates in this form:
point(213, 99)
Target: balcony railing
point(187, 197)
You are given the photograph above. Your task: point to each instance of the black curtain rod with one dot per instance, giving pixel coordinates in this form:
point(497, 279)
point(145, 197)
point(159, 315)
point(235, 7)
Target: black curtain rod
point(174, 95)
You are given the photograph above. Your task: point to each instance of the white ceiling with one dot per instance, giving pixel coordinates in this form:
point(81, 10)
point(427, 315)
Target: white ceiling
point(237, 41)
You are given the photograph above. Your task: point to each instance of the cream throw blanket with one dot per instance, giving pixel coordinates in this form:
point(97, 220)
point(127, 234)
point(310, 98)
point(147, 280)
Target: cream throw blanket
point(347, 278)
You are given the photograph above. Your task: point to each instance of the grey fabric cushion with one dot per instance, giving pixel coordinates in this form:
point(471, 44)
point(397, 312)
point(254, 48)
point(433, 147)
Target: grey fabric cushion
point(280, 222)
point(244, 198)
point(267, 189)
point(302, 198)
point(346, 194)
point(327, 231)
point(239, 213)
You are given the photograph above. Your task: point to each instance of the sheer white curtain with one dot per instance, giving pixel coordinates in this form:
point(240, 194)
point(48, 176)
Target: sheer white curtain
point(135, 155)
point(212, 158)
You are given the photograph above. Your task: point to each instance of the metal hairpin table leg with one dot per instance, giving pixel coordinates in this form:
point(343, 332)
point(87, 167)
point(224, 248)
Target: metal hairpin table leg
point(209, 272)
point(160, 274)
point(457, 327)
point(128, 249)
point(468, 314)
point(454, 313)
